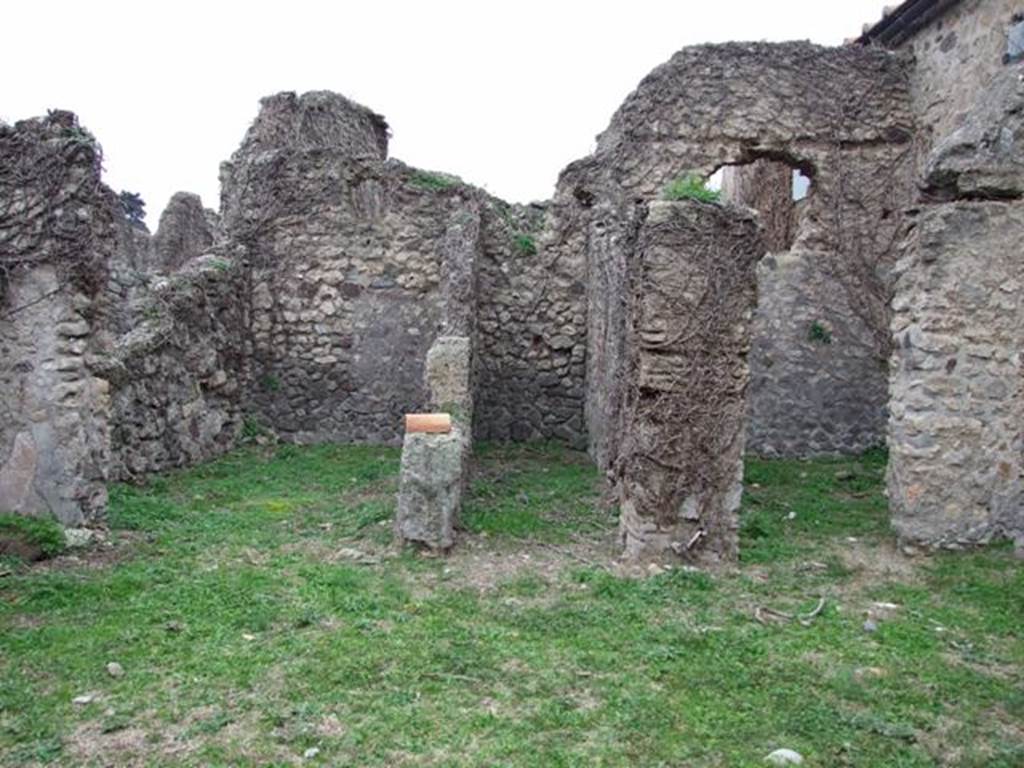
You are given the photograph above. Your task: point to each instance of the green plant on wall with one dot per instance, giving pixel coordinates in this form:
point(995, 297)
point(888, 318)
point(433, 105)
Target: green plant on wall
point(525, 244)
point(819, 333)
point(691, 186)
point(433, 182)
point(270, 383)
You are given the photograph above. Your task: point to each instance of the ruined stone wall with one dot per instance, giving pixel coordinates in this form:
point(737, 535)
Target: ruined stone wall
point(690, 294)
point(186, 230)
point(956, 433)
point(767, 187)
point(840, 115)
point(348, 255)
point(180, 377)
point(57, 237)
point(957, 428)
point(532, 326)
point(954, 59)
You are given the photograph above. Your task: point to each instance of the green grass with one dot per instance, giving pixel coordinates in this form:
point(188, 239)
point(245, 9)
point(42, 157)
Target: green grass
point(525, 244)
point(246, 639)
point(433, 182)
point(42, 533)
point(690, 187)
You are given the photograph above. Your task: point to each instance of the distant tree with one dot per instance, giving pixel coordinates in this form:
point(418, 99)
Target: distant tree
point(134, 208)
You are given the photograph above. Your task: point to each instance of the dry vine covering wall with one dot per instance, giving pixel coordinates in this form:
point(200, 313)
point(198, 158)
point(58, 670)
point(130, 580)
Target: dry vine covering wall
point(842, 116)
point(690, 288)
point(57, 236)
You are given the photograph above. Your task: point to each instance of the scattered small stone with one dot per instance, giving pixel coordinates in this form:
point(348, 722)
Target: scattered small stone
point(870, 626)
point(844, 474)
point(115, 670)
point(524, 497)
point(248, 637)
point(785, 757)
point(655, 570)
point(310, 753)
point(862, 673)
point(791, 516)
point(83, 699)
point(909, 551)
point(357, 556)
point(79, 537)
point(174, 626)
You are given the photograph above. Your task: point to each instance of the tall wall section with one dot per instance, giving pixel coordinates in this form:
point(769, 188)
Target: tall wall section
point(57, 237)
point(842, 116)
point(956, 433)
point(347, 260)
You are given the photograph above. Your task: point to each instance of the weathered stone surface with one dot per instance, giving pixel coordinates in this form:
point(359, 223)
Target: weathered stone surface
point(816, 387)
point(449, 378)
point(186, 230)
point(57, 237)
point(767, 187)
point(532, 325)
point(691, 292)
point(984, 157)
point(955, 434)
point(842, 116)
point(430, 488)
point(353, 258)
point(181, 376)
point(955, 58)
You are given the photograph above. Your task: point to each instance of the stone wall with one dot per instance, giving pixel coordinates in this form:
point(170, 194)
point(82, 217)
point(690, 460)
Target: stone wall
point(840, 115)
point(690, 294)
point(532, 328)
point(348, 254)
point(956, 433)
point(767, 187)
point(809, 392)
point(186, 230)
point(57, 237)
point(180, 376)
point(957, 427)
point(954, 59)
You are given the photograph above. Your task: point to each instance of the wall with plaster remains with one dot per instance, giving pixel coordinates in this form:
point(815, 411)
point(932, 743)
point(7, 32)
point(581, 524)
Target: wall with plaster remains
point(57, 237)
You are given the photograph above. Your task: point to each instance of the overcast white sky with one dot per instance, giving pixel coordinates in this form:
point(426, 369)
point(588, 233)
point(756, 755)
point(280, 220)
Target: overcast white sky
point(503, 94)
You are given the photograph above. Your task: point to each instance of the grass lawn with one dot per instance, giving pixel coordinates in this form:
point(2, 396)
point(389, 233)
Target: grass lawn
point(262, 617)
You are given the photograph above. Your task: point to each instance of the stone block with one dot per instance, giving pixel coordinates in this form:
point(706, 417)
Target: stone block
point(430, 488)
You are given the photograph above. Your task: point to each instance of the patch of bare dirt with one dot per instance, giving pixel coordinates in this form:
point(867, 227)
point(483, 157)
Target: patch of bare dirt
point(108, 550)
point(482, 564)
point(125, 748)
point(875, 562)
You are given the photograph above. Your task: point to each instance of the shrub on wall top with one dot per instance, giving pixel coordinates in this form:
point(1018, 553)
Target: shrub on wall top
point(691, 187)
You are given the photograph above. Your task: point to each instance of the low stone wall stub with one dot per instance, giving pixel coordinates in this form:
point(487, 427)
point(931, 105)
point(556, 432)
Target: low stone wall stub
point(430, 488)
point(691, 293)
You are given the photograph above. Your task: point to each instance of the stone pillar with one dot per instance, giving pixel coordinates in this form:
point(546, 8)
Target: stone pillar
point(434, 466)
point(53, 412)
point(956, 430)
point(691, 292)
